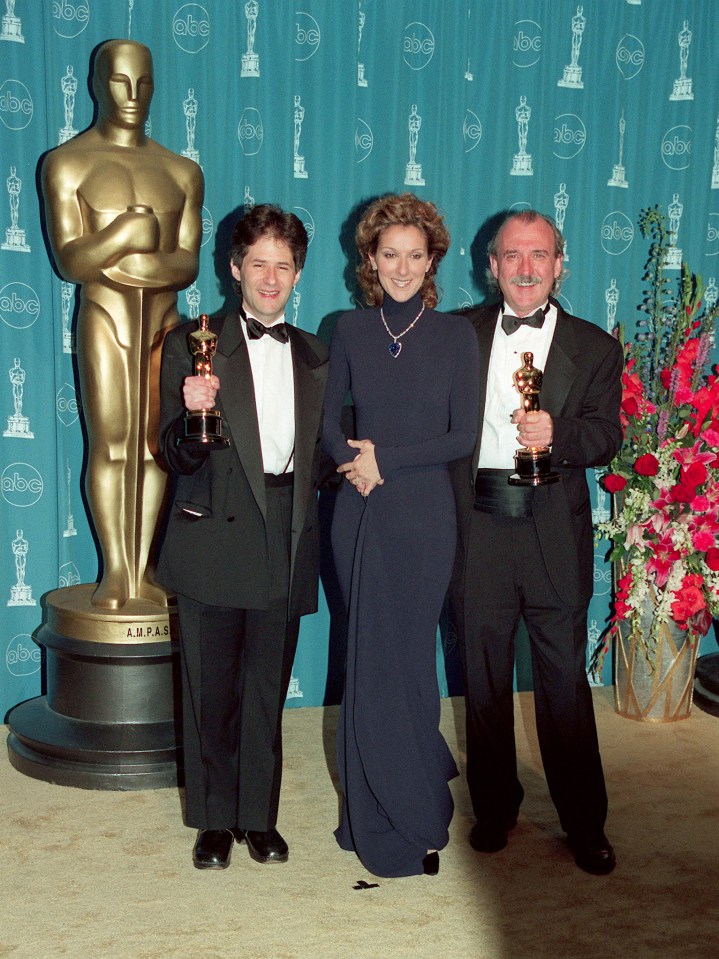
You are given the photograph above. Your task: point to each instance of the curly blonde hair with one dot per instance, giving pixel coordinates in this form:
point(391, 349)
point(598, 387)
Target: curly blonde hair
point(404, 209)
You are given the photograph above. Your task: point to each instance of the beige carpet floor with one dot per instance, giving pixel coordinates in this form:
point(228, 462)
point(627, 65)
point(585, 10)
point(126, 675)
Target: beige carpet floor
point(107, 875)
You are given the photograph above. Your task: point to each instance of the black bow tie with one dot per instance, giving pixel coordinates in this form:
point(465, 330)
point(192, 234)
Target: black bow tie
point(255, 330)
point(510, 324)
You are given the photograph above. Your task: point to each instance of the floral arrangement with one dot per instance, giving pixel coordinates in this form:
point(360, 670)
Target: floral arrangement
point(665, 527)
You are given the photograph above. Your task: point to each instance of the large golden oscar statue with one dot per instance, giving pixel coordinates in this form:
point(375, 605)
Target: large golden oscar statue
point(124, 223)
point(123, 216)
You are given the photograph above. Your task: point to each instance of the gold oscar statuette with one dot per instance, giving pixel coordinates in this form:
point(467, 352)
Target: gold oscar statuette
point(124, 224)
point(203, 426)
point(533, 464)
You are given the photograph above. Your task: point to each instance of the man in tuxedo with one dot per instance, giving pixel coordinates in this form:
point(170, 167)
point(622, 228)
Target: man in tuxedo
point(241, 550)
point(527, 550)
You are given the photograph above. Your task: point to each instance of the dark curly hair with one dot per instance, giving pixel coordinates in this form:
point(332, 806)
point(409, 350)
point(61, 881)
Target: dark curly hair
point(268, 220)
point(404, 209)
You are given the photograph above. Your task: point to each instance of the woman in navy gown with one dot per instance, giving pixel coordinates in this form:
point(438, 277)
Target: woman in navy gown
point(413, 376)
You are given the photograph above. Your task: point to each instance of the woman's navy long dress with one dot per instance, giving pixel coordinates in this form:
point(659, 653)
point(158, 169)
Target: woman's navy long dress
point(394, 552)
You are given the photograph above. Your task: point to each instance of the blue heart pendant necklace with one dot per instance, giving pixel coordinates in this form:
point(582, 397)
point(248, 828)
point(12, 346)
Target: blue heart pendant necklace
point(395, 347)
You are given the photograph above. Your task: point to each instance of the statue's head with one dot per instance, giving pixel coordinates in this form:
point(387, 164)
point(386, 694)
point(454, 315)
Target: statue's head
point(122, 82)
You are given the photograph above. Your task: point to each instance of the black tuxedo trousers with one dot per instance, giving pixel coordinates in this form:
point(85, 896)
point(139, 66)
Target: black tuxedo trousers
point(519, 585)
point(236, 667)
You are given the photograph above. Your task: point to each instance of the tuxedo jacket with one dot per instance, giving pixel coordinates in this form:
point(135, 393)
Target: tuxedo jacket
point(220, 556)
point(581, 390)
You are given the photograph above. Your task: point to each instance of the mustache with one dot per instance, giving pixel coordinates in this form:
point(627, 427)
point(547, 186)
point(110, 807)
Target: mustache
point(524, 279)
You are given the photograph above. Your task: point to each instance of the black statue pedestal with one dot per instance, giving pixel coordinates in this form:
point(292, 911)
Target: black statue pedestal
point(108, 719)
point(706, 683)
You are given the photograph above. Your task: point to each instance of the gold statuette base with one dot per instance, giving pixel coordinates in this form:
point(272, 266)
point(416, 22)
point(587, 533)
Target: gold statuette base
point(204, 426)
point(533, 468)
point(70, 613)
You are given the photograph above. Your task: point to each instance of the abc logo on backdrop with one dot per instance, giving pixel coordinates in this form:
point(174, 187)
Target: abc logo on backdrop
point(21, 485)
point(191, 27)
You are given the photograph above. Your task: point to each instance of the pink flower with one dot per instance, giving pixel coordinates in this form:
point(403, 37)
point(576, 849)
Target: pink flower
point(664, 556)
point(682, 395)
point(635, 535)
point(703, 524)
point(712, 559)
point(659, 520)
point(685, 456)
point(703, 540)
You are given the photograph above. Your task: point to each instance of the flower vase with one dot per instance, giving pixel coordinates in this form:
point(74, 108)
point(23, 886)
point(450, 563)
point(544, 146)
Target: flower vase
point(659, 691)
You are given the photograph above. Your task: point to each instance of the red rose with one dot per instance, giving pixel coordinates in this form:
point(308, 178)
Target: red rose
point(682, 493)
point(647, 465)
point(630, 406)
point(613, 483)
point(694, 475)
point(712, 558)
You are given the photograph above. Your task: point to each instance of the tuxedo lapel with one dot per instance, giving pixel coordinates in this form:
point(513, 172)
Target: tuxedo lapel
point(309, 391)
point(232, 364)
point(308, 398)
point(563, 361)
point(484, 321)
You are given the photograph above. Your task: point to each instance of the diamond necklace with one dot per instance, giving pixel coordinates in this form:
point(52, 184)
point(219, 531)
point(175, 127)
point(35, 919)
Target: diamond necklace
point(395, 348)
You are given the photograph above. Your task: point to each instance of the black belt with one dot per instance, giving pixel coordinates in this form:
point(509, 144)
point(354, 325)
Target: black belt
point(279, 479)
point(493, 494)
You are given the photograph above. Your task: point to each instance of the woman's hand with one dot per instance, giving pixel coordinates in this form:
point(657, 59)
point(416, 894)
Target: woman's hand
point(362, 472)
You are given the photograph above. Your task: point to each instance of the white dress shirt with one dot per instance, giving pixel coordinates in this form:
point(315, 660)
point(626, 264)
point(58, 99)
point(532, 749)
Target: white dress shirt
point(274, 382)
point(499, 434)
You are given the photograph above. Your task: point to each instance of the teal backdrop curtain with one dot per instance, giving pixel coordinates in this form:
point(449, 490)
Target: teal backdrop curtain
point(588, 111)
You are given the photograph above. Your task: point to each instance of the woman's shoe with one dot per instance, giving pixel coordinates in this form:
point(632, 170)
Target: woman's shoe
point(430, 864)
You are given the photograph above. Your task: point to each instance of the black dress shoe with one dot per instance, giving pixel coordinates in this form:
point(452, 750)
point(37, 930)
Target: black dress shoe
point(263, 846)
point(489, 836)
point(212, 849)
point(430, 864)
point(593, 852)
